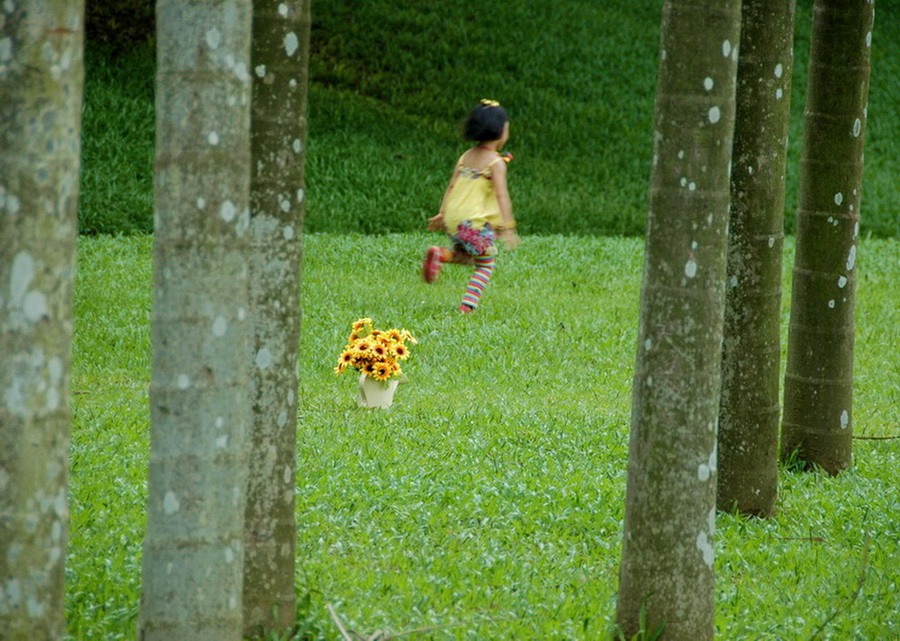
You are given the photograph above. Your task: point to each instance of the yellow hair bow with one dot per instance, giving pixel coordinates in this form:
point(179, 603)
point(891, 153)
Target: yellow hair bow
point(490, 103)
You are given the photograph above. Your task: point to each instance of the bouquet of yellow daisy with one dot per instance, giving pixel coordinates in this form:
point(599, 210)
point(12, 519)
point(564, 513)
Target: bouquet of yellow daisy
point(374, 352)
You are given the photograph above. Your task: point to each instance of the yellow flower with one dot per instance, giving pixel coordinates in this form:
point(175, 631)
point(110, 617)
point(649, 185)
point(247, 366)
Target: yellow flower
point(383, 371)
point(368, 368)
point(344, 360)
point(395, 335)
point(361, 323)
point(400, 351)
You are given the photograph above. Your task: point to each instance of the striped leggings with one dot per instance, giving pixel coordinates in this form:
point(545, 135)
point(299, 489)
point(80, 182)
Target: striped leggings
point(484, 267)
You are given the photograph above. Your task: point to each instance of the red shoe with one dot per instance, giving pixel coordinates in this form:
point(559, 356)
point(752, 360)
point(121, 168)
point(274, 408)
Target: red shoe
point(466, 309)
point(431, 268)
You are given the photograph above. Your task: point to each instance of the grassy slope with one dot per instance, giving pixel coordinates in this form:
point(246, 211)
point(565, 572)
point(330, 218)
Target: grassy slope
point(117, 143)
point(392, 79)
point(491, 493)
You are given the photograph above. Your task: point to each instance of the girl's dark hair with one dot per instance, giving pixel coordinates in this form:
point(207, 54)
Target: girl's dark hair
point(485, 122)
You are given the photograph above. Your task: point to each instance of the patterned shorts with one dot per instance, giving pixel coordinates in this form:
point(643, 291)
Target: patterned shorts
point(476, 242)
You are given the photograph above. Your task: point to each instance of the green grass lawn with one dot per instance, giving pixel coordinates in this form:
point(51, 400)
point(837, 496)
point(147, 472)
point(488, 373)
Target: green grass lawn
point(489, 499)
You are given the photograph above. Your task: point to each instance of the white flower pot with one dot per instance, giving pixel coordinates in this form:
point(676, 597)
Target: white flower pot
point(374, 393)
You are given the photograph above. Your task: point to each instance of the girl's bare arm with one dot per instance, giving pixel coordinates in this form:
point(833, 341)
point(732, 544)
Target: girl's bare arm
point(436, 223)
point(508, 225)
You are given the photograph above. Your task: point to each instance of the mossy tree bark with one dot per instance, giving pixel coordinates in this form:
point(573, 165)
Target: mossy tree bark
point(200, 329)
point(41, 74)
point(751, 352)
point(667, 554)
point(818, 388)
point(280, 54)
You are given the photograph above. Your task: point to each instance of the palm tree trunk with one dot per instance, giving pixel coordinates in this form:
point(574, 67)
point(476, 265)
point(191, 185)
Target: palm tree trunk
point(667, 554)
point(41, 77)
point(278, 148)
point(818, 386)
point(751, 357)
point(193, 548)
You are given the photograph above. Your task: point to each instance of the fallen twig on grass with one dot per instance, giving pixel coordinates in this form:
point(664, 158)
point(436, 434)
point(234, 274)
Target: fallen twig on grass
point(876, 438)
point(337, 622)
point(384, 635)
point(853, 597)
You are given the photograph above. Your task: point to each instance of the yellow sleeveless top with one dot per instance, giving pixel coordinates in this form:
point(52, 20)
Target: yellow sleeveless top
point(472, 198)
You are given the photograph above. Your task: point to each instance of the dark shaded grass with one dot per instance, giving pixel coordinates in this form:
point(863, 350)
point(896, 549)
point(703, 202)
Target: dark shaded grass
point(391, 81)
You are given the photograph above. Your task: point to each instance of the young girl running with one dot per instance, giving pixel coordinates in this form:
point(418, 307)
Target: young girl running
point(476, 208)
